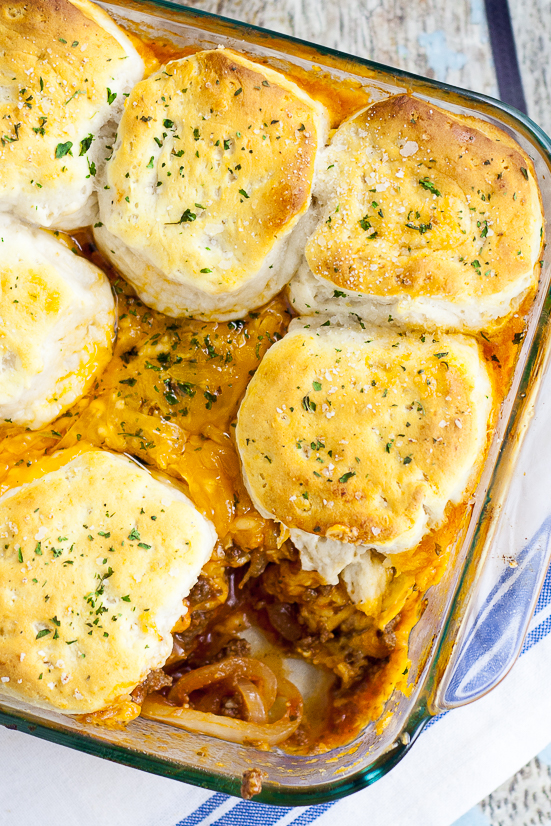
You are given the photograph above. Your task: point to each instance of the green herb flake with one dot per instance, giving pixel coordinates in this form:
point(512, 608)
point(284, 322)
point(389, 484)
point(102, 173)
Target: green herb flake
point(308, 404)
point(422, 228)
point(63, 149)
point(346, 476)
point(85, 144)
point(426, 183)
point(111, 96)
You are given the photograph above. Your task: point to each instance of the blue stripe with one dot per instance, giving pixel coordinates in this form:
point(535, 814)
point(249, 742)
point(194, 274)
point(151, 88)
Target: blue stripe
point(545, 594)
point(249, 813)
point(536, 635)
point(312, 814)
point(204, 810)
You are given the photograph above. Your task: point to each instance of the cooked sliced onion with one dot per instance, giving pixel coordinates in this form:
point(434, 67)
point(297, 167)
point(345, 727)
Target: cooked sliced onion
point(155, 707)
point(255, 712)
point(232, 668)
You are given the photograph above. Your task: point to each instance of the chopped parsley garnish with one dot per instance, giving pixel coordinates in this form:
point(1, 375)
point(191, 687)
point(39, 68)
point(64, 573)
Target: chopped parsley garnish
point(422, 228)
point(85, 144)
point(346, 476)
point(187, 217)
point(63, 149)
point(426, 183)
point(111, 96)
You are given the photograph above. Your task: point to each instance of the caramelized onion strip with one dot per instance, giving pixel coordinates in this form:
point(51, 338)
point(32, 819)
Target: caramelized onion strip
point(253, 706)
point(233, 669)
point(156, 707)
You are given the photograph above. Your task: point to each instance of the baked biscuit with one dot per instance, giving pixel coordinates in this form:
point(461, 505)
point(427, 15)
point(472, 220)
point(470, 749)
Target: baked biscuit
point(365, 442)
point(205, 195)
point(430, 218)
point(96, 557)
point(65, 67)
point(57, 324)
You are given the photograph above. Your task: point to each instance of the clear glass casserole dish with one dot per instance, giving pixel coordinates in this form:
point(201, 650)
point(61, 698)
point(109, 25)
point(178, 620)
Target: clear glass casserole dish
point(476, 617)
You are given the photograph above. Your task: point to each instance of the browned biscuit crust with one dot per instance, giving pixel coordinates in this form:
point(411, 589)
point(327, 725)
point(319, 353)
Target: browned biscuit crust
point(214, 165)
point(422, 203)
point(363, 435)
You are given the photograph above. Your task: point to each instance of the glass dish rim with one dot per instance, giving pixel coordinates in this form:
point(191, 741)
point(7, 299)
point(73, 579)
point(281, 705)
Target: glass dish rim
point(335, 789)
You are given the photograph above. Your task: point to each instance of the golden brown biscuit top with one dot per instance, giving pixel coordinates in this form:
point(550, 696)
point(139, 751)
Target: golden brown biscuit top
point(420, 202)
point(365, 430)
point(96, 556)
point(215, 160)
point(56, 67)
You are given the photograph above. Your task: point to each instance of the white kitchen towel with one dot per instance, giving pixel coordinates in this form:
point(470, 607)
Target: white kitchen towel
point(457, 760)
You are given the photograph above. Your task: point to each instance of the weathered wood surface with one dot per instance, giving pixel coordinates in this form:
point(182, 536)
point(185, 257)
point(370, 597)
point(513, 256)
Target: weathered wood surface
point(446, 40)
point(532, 27)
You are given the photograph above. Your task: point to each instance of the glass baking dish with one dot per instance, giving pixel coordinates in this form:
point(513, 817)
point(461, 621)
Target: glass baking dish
point(476, 618)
